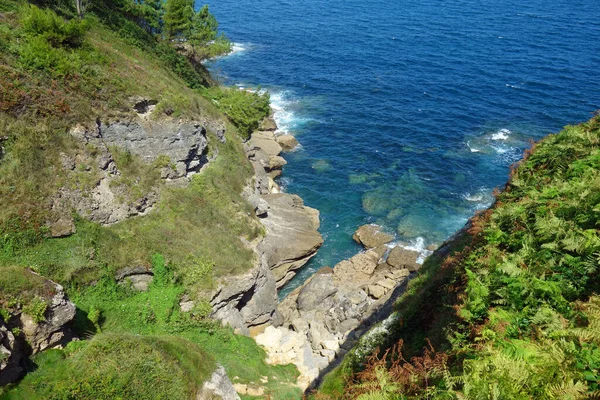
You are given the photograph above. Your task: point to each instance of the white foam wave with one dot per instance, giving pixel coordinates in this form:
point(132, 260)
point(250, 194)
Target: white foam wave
point(473, 198)
point(473, 149)
point(500, 149)
point(237, 48)
point(284, 182)
point(482, 198)
point(419, 246)
point(502, 134)
point(283, 105)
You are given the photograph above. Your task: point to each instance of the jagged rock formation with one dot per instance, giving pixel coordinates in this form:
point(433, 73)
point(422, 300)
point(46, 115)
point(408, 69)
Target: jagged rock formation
point(291, 227)
point(21, 335)
point(183, 142)
point(176, 146)
point(248, 302)
point(322, 319)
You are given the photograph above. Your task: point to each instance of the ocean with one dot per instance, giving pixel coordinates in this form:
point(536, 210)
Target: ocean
point(409, 113)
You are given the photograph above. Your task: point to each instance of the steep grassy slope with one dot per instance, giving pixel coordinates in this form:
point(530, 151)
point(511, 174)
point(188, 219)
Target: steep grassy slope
point(119, 366)
point(57, 72)
point(514, 311)
point(95, 79)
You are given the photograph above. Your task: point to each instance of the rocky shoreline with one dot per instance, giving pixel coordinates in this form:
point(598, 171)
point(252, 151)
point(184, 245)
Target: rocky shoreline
point(248, 303)
point(316, 324)
point(322, 320)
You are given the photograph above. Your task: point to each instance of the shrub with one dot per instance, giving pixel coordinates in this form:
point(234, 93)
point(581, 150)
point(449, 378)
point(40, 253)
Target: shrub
point(244, 108)
point(52, 28)
point(36, 309)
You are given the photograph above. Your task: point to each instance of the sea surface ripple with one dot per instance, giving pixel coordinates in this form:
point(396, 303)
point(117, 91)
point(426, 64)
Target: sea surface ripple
point(410, 112)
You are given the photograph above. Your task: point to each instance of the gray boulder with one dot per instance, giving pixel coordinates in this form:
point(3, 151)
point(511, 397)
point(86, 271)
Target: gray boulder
point(314, 293)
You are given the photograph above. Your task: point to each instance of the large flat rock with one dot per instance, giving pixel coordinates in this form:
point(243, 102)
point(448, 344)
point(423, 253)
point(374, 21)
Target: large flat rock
point(266, 141)
point(292, 237)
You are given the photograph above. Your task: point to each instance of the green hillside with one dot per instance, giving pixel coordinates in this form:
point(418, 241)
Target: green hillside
point(59, 71)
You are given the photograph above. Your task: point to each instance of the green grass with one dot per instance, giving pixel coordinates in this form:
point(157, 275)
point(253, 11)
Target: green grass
point(54, 78)
point(119, 366)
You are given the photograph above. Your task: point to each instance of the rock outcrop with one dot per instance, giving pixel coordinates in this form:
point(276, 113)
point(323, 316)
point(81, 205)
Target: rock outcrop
point(22, 335)
point(98, 192)
point(322, 319)
point(218, 387)
point(248, 302)
point(183, 142)
point(52, 331)
point(291, 235)
point(291, 227)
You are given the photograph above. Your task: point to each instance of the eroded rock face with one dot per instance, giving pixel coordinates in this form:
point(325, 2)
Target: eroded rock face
point(180, 145)
point(52, 331)
point(246, 300)
point(218, 387)
point(292, 237)
point(33, 337)
point(183, 142)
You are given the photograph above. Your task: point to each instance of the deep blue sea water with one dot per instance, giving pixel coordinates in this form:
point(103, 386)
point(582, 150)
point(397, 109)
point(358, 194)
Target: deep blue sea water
point(410, 112)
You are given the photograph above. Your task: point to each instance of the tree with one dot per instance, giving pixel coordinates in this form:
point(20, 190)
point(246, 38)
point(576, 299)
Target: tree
point(81, 5)
point(179, 16)
point(204, 27)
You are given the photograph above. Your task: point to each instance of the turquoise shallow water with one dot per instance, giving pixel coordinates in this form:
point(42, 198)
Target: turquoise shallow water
point(409, 113)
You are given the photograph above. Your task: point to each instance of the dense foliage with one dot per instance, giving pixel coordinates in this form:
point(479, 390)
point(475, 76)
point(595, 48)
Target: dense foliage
point(244, 108)
point(514, 313)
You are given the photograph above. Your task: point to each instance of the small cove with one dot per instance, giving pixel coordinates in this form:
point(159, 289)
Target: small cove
point(409, 114)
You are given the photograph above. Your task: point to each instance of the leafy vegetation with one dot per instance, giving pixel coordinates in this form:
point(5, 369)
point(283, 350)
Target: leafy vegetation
point(152, 320)
point(514, 311)
point(244, 108)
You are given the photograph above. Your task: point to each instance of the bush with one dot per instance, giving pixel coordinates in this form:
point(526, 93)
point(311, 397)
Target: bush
point(36, 309)
point(54, 29)
point(245, 109)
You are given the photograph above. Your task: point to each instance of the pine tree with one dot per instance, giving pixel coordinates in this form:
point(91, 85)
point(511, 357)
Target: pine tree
point(179, 15)
point(204, 27)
